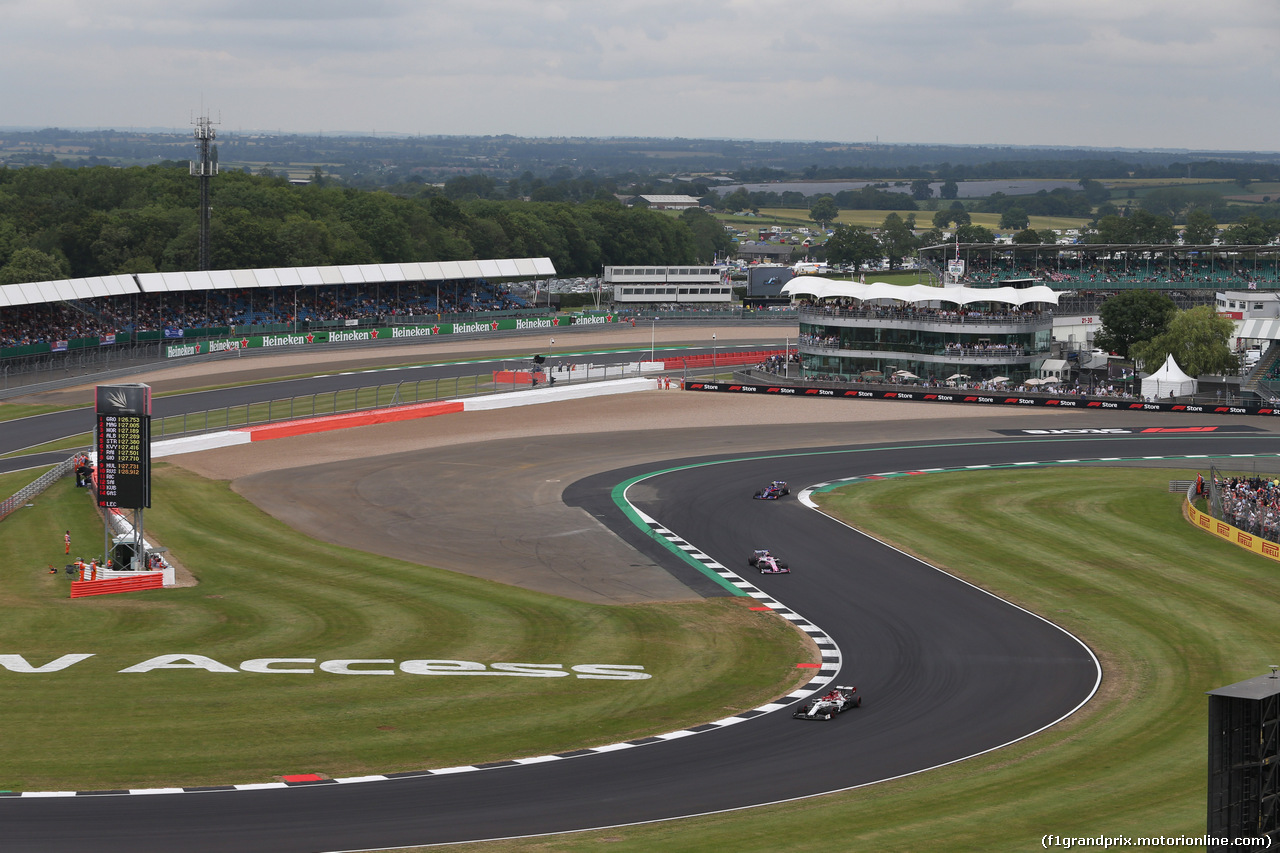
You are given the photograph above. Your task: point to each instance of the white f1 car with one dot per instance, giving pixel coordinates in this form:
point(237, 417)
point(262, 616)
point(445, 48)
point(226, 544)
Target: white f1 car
point(827, 706)
point(767, 563)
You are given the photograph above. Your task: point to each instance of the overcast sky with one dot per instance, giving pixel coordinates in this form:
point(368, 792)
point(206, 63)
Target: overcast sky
point(1107, 73)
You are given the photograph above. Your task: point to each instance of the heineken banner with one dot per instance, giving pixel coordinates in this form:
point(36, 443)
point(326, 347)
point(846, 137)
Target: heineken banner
point(985, 398)
point(388, 333)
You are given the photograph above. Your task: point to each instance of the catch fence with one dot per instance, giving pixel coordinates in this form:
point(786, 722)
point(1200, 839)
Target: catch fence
point(28, 492)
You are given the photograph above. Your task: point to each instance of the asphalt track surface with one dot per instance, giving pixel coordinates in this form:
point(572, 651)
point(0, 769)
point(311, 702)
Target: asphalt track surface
point(37, 430)
point(947, 671)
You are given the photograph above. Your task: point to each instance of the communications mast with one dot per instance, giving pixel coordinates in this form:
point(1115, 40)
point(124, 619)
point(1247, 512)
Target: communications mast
point(204, 169)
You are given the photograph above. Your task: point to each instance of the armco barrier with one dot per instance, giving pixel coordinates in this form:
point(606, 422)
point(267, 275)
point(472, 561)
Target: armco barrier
point(143, 580)
point(982, 398)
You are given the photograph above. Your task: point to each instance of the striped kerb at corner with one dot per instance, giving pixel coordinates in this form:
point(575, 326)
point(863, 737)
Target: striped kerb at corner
point(827, 648)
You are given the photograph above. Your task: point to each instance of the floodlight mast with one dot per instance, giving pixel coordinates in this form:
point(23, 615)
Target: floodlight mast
point(204, 169)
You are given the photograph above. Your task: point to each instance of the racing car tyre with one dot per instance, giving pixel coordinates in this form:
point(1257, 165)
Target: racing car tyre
point(783, 565)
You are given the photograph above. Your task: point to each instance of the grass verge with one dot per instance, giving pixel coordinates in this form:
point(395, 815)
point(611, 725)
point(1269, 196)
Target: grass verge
point(266, 591)
point(1170, 611)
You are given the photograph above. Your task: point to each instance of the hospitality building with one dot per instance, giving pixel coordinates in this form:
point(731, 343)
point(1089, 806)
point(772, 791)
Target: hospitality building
point(872, 332)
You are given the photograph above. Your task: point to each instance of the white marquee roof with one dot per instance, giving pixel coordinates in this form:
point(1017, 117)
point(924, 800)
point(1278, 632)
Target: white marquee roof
point(825, 288)
point(39, 292)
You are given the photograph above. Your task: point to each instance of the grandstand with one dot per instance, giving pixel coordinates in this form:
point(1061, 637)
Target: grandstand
point(1094, 271)
point(55, 316)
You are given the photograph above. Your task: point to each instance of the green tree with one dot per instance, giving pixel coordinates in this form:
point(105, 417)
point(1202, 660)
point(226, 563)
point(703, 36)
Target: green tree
point(469, 186)
point(896, 239)
point(851, 244)
point(1095, 192)
point(27, 264)
point(1152, 228)
point(709, 237)
point(974, 234)
point(1014, 218)
point(950, 189)
point(824, 210)
point(1201, 229)
point(1028, 237)
point(1114, 229)
point(932, 237)
point(1197, 340)
point(737, 200)
point(921, 190)
point(955, 213)
point(1252, 230)
point(1132, 317)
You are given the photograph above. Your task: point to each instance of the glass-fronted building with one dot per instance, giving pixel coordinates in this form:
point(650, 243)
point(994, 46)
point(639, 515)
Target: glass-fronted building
point(851, 331)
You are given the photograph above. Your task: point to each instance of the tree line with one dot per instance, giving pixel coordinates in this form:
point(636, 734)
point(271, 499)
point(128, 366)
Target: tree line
point(59, 223)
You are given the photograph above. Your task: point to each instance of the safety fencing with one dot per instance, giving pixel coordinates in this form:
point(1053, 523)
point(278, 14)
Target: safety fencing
point(364, 399)
point(414, 392)
point(28, 492)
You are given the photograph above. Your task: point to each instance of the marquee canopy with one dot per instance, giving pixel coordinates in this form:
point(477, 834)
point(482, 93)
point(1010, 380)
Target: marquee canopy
point(916, 294)
point(1169, 379)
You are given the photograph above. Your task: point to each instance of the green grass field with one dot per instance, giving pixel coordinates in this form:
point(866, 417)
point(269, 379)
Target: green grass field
point(875, 218)
point(1170, 611)
point(265, 591)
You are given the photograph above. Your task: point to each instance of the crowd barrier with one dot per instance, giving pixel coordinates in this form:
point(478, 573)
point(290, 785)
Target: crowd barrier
point(1228, 533)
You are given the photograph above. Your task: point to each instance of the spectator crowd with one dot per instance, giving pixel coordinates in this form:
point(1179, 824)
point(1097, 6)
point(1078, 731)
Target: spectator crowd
point(51, 322)
point(1251, 504)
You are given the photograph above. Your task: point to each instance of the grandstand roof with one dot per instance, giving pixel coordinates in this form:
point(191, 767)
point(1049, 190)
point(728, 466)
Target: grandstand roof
point(1107, 248)
point(824, 288)
point(67, 289)
point(12, 295)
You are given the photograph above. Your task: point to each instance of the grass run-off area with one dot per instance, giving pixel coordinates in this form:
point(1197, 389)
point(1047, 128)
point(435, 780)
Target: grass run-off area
point(1170, 611)
point(266, 592)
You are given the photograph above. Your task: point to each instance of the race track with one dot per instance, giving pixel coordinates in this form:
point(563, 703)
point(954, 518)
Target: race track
point(946, 670)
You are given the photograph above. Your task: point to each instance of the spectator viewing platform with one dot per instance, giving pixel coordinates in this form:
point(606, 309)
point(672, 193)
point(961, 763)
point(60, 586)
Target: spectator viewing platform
point(39, 317)
point(851, 331)
point(649, 284)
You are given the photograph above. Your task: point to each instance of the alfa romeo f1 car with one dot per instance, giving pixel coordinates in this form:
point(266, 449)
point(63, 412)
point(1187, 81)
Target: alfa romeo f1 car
point(767, 563)
point(827, 706)
point(773, 491)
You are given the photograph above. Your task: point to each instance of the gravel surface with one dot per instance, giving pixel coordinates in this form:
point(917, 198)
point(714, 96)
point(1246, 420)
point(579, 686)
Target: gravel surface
point(480, 492)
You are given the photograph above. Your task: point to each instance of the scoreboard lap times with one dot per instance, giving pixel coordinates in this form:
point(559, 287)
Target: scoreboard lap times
point(124, 446)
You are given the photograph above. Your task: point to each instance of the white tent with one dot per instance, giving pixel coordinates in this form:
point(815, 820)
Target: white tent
point(1168, 380)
